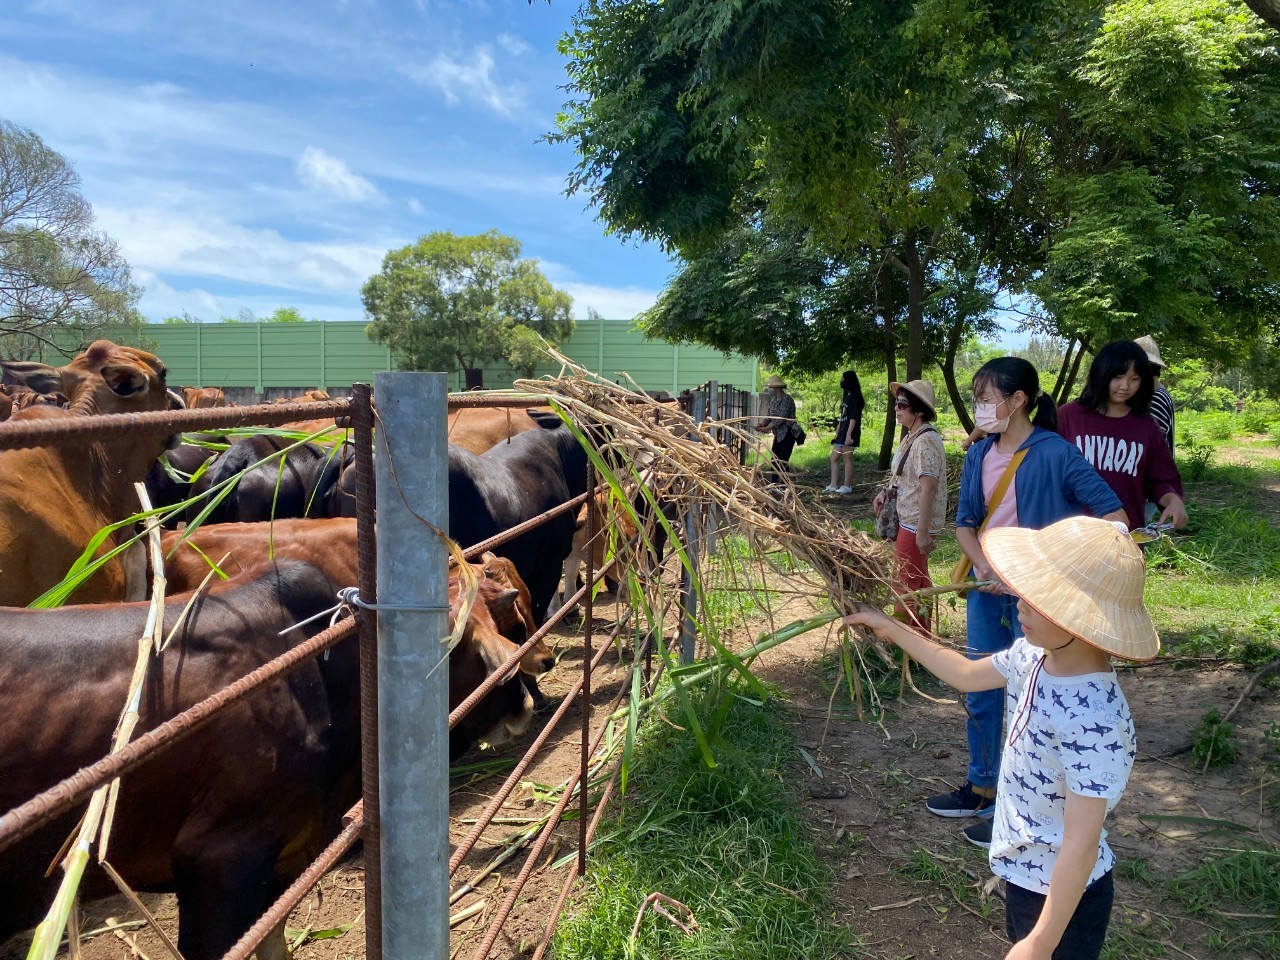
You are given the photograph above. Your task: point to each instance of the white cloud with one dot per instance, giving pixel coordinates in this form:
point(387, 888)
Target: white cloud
point(328, 174)
point(612, 303)
point(415, 206)
point(513, 44)
point(161, 300)
point(469, 82)
point(164, 242)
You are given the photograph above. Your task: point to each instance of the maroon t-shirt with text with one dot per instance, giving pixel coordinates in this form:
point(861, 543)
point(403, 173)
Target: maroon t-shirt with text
point(1130, 453)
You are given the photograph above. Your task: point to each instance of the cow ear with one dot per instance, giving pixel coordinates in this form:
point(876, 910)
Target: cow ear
point(125, 379)
point(504, 603)
point(39, 377)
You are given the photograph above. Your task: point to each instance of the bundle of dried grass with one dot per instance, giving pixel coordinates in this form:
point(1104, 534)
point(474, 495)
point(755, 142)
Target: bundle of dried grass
point(678, 461)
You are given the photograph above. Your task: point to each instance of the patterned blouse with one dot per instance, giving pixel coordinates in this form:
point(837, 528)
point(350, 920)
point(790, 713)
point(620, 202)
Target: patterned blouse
point(781, 415)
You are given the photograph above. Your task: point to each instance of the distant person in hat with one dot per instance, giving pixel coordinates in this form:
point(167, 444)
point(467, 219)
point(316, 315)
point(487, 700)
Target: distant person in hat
point(1069, 741)
point(848, 433)
point(1161, 403)
point(918, 474)
point(780, 420)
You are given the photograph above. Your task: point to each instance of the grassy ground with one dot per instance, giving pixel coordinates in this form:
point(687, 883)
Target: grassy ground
point(726, 842)
point(729, 843)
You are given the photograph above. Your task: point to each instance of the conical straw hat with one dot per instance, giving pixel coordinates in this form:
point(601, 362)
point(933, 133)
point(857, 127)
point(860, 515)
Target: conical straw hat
point(1082, 574)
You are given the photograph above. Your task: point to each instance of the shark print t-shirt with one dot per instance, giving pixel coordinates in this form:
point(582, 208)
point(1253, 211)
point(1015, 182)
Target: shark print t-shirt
point(1065, 734)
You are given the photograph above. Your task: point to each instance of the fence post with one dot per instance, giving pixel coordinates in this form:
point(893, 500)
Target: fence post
point(688, 595)
point(413, 676)
point(715, 414)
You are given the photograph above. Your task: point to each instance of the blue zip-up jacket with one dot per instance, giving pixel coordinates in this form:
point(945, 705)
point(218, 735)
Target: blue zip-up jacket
point(1054, 481)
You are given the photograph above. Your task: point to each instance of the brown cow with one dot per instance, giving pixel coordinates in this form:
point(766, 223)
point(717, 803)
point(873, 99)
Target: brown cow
point(54, 499)
point(331, 546)
point(478, 429)
point(200, 398)
point(601, 513)
point(311, 396)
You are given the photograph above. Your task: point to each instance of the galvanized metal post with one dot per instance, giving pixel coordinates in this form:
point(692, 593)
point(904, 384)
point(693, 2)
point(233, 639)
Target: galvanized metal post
point(688, 595)
point(413, 677)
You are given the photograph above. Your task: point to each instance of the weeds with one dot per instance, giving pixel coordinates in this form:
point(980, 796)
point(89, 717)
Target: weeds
point(727, 841)
point(1211, 741)
point(1243, 879)
point(1195, 459)
point(964, 884)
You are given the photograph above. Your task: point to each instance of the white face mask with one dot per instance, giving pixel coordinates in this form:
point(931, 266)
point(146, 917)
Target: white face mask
point(984, 416)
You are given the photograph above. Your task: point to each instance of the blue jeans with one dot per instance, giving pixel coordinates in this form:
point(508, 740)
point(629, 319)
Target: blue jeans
point(1087, 929)
point(992, 620)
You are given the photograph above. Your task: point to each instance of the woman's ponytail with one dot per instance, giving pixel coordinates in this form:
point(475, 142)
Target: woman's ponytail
point(1046, 412)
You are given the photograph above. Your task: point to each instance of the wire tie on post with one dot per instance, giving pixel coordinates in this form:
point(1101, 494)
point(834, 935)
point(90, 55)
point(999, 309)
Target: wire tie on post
point(351, 596)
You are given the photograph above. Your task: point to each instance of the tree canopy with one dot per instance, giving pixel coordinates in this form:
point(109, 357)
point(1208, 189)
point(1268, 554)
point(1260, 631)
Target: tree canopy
point(874, 176)
point(464, 299)
point(56, 270)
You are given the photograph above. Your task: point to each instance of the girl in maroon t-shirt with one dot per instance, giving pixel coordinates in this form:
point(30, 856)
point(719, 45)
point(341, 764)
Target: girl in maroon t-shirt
point(1111, 425)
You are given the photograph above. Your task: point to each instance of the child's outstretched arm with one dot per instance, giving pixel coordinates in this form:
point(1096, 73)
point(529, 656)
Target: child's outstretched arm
point(1082, 828)
point(949, 666)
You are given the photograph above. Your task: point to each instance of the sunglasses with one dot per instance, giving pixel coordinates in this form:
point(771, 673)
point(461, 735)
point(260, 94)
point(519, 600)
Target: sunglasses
point(902, 404)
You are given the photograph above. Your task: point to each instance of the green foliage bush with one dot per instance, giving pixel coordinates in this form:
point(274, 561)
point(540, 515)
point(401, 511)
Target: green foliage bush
point(1259, 416)
point(1211, 740)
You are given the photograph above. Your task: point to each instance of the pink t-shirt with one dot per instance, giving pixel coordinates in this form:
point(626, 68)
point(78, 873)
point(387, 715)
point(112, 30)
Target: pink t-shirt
point(993, 467)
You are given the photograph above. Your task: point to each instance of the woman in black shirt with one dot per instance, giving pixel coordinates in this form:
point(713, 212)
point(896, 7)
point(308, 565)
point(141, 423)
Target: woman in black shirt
point(848, 433)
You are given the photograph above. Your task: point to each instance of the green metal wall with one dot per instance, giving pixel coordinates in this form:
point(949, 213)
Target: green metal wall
point(335, 355)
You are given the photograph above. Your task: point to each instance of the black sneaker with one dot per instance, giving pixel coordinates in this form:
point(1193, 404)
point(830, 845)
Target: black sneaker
point(959, 803)
point(979, 834)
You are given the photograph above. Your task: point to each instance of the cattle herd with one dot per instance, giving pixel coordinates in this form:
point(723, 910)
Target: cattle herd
point(230, 817)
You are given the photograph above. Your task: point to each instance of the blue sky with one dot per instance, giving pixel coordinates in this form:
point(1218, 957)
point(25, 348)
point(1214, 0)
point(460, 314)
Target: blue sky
point(261, 154)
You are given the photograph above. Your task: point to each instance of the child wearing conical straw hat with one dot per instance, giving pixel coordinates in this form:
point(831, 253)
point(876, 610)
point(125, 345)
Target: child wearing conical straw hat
point(1069, 739)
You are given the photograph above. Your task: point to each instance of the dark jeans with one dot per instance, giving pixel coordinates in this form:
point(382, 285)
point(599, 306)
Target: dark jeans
point(1082, 940)
point(781, 455)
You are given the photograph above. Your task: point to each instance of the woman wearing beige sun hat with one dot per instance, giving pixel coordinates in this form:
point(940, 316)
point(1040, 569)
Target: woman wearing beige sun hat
point(917, 488)
point(1069, 737)
point(780, 420)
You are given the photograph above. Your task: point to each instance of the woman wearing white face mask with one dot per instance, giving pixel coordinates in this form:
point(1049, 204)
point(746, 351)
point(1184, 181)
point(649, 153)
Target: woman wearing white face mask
point(1022, 474)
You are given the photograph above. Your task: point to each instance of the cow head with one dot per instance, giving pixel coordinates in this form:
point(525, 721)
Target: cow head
point(515, 621)
point(108, 378)
point(508, 709)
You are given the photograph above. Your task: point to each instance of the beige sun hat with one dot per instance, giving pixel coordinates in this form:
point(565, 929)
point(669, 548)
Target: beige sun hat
point(922, 390)
point(1152, 350)
point(776, 381)
point(1083, 574)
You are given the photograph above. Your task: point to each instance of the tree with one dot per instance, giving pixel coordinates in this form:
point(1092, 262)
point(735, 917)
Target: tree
point(56, 271)
point(1268, 10)
point(287, 315)
point(1065, 152)
point(449, 298)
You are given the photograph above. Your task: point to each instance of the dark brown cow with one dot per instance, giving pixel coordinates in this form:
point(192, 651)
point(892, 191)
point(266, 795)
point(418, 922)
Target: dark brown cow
point(331, 546)
point(227, 818)
point(54, 499)
point(233, 814)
